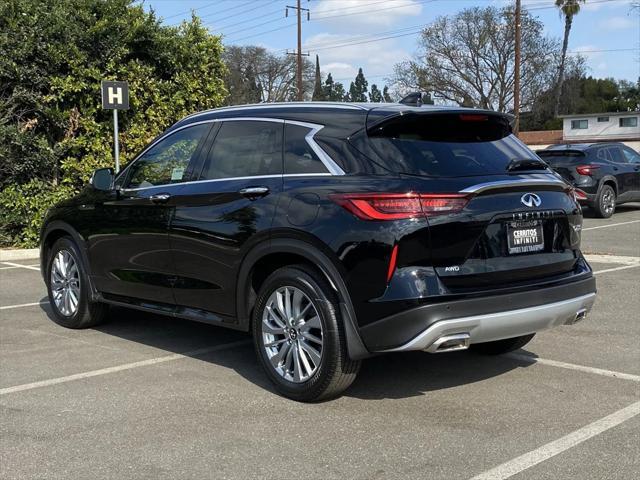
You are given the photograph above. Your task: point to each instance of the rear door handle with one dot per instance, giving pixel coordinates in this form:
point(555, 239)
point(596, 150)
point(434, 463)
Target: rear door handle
point(160, 198)
point(254, 192)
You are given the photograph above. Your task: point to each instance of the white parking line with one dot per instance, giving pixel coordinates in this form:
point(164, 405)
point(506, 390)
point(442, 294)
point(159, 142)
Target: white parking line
point(610, 225)
point(17, 265)
point(606, 258)
point(606, 270)
point(9, 307)
point(21, 266)
point(119, 368)
point(573, 366)
point(528, 460)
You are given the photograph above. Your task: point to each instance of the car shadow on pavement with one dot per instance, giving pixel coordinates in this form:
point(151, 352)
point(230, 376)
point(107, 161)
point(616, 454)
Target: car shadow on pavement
point(398, 375)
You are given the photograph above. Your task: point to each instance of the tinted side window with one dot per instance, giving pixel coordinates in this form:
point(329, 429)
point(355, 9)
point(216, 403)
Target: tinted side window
point(166, 162)
point(299, 157)
point(616, 154)
point(632, 157)
point(245, 149)
point(603, 154)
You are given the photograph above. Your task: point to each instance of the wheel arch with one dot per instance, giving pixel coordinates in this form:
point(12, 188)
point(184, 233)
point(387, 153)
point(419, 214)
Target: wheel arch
point(611, 181)
point(277, 252)
point(50, 234)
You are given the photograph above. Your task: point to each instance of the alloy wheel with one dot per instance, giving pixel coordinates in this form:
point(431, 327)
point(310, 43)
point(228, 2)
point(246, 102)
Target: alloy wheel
point(608, 202)
point(292, 334)
point(65, 283)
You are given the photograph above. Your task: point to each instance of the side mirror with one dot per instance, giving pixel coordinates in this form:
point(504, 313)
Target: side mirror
point(102, 179)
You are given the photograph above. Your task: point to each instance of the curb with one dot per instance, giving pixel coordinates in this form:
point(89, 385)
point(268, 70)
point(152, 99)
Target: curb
point(19, 254)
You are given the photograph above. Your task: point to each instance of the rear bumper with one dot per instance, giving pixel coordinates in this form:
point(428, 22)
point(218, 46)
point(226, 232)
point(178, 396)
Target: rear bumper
point(500, 325)
point(482, 319)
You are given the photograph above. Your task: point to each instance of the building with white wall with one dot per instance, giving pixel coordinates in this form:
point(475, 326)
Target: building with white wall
point(599, 127)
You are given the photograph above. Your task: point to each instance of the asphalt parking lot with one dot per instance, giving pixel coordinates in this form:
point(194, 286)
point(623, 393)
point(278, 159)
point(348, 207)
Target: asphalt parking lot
point(150, 397)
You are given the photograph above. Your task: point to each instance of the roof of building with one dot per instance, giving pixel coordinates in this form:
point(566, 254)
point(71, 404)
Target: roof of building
point(605, 114)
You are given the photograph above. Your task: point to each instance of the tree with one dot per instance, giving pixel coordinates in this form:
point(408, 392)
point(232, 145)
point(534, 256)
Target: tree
point(375, 95)
point(53, 133)
point(358, 88)
point(468, 58)
point(568, 8)
point(318, 92)
point(333, 91)
point(275, 75)
point(385, 95)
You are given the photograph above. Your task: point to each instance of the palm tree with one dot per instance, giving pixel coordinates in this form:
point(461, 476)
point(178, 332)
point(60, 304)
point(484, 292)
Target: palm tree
point(568, 8)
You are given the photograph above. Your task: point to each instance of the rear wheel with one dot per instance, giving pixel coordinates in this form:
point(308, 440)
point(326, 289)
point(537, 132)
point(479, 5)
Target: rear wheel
point(605, 203)
point(501, 346)
point(68, 288)
point(299, 336)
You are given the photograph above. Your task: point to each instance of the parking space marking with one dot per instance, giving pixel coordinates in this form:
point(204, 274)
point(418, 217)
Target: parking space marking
point(21, 266)
point(610, 225)
point(22, 305)
point(17, 265)
point(573, 366)
point(545, 452)
point(606, 270)
point(606, 258)
point(120, 368)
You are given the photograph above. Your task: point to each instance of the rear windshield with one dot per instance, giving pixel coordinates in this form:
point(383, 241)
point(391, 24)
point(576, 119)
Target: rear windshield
point(448, 145)
point(554, 157)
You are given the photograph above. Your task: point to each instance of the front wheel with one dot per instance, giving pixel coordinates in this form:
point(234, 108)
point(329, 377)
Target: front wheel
point(501, 346)
point(68, 288)
point(299, 337)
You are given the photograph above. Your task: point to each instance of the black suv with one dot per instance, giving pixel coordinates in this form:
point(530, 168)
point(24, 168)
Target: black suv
point(332, 232)
point(604, 174)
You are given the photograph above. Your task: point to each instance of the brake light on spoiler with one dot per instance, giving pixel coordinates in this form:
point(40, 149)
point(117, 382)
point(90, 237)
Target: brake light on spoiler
point(397, 206)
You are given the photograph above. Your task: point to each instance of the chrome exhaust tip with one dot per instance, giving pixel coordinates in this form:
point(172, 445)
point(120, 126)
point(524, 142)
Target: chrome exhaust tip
point(450, 343)
point(580, 315)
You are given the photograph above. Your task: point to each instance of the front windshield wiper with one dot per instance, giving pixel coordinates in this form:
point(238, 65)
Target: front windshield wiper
point(526, 164)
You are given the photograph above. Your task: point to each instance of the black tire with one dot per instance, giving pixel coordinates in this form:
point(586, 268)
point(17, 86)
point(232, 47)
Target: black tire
point(87, 314)
point(501, 346)
point(336, 371)
point(605, 204)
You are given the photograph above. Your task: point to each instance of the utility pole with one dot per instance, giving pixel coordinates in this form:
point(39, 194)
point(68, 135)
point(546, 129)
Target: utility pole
point(516, 72)
point(298, 53)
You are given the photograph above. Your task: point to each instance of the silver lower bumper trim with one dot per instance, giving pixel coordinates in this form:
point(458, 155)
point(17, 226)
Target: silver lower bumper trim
point(501, 325)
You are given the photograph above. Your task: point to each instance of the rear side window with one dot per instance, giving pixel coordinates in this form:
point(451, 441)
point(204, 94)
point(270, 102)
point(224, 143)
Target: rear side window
point(448, 145)
point(299, 157)
point(616, 155)
point(166, 162)
point(245, 149)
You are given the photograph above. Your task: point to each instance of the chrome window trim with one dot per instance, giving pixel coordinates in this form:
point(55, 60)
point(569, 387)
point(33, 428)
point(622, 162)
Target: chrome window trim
point(332, 167)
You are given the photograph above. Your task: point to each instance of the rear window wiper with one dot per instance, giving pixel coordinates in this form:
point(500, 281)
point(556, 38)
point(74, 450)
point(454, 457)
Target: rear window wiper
point(526, 164)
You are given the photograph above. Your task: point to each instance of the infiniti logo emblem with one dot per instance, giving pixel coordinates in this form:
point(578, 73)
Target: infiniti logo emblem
point(531, 200)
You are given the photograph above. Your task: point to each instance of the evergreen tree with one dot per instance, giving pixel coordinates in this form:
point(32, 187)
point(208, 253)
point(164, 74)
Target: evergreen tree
point(375, 95)
point(333, 91)
point(358, 88)
point(318, 91)
point(385, 95)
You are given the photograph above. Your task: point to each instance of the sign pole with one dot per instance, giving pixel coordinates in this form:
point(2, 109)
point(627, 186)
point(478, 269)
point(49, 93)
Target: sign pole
point(116, 146)
point(115, 96)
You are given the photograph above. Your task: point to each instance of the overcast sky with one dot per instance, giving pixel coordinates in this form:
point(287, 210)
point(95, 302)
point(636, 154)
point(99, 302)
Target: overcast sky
point(607, 31)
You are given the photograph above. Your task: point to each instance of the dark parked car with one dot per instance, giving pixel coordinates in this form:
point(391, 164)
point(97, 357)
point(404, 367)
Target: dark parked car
point(604, 174)
point(332, 232)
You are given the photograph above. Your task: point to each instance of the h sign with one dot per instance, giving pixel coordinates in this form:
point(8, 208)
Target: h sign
point(115, 95)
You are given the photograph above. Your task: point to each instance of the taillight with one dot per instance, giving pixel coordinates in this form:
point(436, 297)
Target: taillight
point(396, 206)
point(579, 194)
point(586, 169)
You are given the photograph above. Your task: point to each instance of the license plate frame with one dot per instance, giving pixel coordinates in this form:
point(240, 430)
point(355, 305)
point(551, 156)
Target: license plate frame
point(525, 237)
